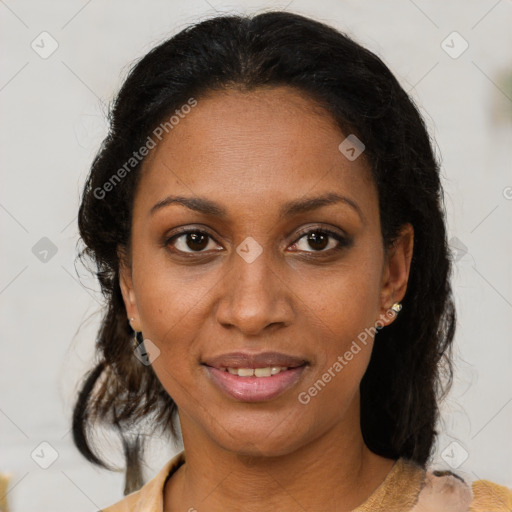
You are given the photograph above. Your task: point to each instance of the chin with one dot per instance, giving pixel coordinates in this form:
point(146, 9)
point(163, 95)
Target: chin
point(265, 439)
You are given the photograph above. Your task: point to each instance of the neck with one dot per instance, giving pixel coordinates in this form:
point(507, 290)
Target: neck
point(336, 471)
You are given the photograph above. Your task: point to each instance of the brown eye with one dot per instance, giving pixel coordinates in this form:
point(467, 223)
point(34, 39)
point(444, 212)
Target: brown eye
point(191, 241)
point(320, 240)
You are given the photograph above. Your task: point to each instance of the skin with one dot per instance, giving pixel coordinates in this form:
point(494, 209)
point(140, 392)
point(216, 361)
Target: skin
point(251, 152)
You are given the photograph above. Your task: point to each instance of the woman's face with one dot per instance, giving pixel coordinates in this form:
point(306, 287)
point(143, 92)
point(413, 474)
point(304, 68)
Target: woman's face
point(263, 178)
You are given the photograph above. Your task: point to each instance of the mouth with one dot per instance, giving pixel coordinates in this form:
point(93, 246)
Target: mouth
point(267, 371)
point(254, 377)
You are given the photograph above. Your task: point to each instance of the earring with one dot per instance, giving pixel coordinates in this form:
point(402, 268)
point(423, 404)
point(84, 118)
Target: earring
point(396, 307)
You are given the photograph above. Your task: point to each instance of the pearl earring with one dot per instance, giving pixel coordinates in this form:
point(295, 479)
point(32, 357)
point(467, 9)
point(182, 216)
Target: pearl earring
point(396, 307)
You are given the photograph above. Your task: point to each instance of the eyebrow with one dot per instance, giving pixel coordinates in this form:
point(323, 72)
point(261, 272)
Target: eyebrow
point(208, 207)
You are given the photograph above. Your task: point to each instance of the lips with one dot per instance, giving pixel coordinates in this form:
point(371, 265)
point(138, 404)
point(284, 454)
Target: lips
point(247, 360)
point(245, 385)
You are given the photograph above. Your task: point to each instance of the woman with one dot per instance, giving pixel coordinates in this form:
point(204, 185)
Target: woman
point(267, 221)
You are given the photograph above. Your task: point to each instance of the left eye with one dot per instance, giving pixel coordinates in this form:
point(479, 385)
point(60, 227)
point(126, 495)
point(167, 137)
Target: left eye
point(318, 240)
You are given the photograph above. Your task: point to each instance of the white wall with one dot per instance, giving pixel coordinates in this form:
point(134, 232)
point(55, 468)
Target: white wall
point(52, 124)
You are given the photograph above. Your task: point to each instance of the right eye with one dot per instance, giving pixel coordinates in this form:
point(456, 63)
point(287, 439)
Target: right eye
point(190, 241)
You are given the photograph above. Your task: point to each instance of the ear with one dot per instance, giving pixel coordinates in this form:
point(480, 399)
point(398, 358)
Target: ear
point(127, 291)
point(395, 274)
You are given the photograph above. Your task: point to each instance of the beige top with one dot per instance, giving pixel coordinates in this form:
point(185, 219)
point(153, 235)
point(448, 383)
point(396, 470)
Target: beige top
point(406, 488)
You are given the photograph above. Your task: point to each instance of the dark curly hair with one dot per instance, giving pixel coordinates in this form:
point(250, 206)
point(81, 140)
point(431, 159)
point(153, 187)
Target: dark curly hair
point(410, 367)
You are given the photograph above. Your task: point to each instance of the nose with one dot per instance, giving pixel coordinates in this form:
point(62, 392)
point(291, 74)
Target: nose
point(254, 297)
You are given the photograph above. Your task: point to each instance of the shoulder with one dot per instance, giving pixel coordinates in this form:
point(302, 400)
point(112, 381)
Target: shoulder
point(149, 498)
point(444, 490)
point(488, 496)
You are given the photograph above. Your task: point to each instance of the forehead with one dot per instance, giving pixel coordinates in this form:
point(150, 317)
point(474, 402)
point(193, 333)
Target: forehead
point(261, 147)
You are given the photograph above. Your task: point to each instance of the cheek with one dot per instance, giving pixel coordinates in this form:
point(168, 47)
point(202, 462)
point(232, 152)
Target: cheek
point(170, 298)
point(344, 301)
point(340, 316)
point(330, 394)
point(171, 317)
point(173, 306)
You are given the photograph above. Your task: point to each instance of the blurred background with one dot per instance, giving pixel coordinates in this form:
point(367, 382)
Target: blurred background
point(63, 62)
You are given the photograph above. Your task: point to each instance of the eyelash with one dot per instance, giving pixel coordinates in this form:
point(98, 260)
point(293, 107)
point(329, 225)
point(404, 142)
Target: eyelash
point(342, 241)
